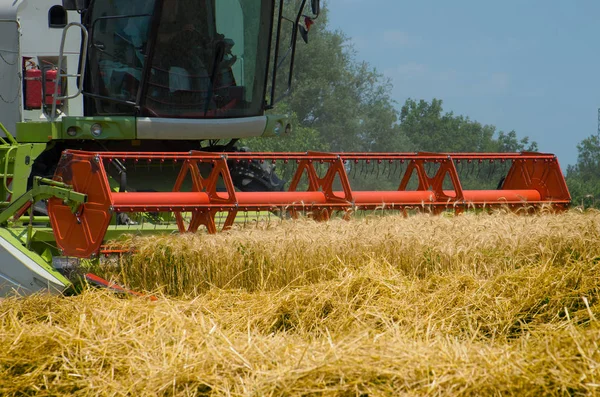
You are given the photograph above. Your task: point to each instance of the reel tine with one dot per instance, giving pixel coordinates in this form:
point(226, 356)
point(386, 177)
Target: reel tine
point(470, 169)
point(492, 170)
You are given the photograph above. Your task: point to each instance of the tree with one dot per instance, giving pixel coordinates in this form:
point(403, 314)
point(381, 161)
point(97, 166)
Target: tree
point(583, 178)
point(509, 143)
point(431, 130)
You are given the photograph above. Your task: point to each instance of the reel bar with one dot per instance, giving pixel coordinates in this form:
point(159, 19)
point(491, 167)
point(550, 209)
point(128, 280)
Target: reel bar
point(267, 201)
point(319, 187)
point(318, 156)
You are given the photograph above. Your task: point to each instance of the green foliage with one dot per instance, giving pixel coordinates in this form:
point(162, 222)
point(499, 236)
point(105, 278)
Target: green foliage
point(348, 101)
point(431, 130)
point(301, 139)
point(509, 143)
point(583, 178)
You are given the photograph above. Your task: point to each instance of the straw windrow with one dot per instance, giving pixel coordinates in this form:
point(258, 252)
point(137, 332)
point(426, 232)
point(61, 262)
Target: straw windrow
point(474, 304)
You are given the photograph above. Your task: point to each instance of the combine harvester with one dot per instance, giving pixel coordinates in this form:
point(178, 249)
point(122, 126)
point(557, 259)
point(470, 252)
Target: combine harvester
point(121, 117)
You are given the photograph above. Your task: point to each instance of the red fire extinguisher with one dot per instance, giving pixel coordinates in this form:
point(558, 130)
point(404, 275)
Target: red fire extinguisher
point(33, 87)
point(51, 81)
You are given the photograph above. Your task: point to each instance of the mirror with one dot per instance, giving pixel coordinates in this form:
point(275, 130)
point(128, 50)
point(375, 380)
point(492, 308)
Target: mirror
point(304, 29)
point(303, 33)
point(316, 6)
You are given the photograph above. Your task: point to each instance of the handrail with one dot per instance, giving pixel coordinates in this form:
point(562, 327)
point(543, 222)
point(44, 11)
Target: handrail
point(12, 143)
point(80, 72)
point(5, 173)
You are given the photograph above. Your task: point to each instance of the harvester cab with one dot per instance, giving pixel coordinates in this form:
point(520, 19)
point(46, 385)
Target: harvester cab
point(179, 59)
point(122, 117)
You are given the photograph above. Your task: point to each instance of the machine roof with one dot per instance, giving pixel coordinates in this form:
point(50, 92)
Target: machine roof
point(8, 8)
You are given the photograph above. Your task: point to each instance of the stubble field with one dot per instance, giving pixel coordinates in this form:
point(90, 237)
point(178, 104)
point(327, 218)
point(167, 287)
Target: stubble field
point(451, 305)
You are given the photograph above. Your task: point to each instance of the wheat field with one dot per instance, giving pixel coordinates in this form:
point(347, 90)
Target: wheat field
point(487, 304)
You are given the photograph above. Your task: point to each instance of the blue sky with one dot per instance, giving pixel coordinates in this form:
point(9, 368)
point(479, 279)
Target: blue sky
point(528, 65)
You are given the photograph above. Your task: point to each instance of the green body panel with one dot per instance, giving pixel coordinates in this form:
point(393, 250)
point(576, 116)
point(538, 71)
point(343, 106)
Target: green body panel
point(25, 155)
point(117, 128)
point(38, 131)
point(112, 127)
point(277, 125)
